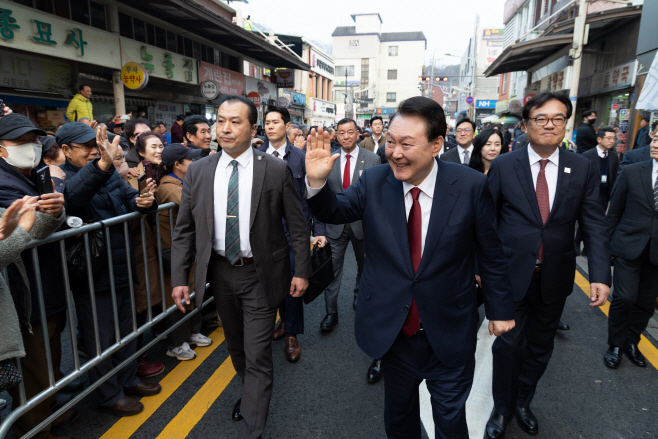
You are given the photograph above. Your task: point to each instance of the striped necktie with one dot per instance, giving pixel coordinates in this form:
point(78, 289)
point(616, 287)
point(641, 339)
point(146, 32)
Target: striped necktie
point(655, 193)
point(232, 237)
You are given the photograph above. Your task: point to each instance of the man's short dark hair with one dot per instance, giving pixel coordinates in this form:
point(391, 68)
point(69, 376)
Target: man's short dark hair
point(376, 118)
point(161, 123)
point(285, 114)
point(82, 87)
point(348, 120)
point(469, 121)
point(428, 110)
point(588, 113)
point(542, 98)
point(646, 119)
point(189, 124)
point(654, 125)
point(253, 111)
point(129, 128)
point(601, 133)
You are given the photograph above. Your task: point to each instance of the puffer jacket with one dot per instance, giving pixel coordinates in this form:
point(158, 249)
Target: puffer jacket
point(95, 195)
point(78, 108)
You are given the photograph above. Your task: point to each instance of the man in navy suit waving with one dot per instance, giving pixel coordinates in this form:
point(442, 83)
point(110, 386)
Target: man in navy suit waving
point(424, 221)
point(540, 191)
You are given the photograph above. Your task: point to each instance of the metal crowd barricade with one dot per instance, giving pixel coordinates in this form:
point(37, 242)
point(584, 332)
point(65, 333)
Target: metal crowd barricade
point(78, 369)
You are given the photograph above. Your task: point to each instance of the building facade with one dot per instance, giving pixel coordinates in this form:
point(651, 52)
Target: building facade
point(375, 70)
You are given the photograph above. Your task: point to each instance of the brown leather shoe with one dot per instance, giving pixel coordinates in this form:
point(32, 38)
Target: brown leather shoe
point(67, 418)
point(293, 352)
point(126, 406)
point(279, 331)
point(144, 388)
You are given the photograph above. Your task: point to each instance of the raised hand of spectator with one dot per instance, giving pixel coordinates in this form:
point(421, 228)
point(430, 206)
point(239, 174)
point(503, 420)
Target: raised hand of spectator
point(52, 203)
point(9, 220)
point(134, 172)
point(299, 142)
point(57, 172)
point(146, 199)
point(107, 149)
point(6, 110)
point(28, 214)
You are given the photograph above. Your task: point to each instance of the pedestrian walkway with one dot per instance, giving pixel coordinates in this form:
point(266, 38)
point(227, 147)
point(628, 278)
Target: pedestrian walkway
point(326, 393)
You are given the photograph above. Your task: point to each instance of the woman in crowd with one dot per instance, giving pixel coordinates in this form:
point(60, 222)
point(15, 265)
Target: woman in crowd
point(148, 147)
point(53, 157)
point(487, 146)
point(169, 176)
point(95, 192)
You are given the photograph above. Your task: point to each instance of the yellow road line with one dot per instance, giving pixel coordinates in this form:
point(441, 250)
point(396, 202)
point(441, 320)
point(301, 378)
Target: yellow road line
point(647, 348)
point(191, 414)
point(125, 427)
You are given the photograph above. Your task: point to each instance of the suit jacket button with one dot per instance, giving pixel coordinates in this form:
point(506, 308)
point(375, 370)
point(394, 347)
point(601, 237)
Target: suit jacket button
point(406, 307)
point(416, 282)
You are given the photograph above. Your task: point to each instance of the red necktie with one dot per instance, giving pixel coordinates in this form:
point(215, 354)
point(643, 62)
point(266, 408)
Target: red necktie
point(346, 173)
point(542, 199)
point(415, 230)
point(605, 154)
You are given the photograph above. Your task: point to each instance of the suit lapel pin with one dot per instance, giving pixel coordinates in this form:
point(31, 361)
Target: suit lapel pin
point(567, 170)
point(259, 157)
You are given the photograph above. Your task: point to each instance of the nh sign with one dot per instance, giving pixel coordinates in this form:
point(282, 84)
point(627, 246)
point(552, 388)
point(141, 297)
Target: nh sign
point(486, 104)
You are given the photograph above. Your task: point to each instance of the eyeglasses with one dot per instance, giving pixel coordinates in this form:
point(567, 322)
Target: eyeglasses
point(609, 138)
point(558, 121)
point(86, 148)
point(463, 130)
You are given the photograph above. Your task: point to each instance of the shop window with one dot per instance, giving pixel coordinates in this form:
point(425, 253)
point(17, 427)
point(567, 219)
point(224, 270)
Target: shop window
point(150, 34)
point(196, 54)
point(80, 11)
point(392, 74)
point(180, 44)
point(171, 41)
point(97, 14)
point(217, 57)
point(28, 3)
point(160, 38)
point(140, 30)
point(390, 97)
point(43, 5)
point(125, 25)
point(204, 53)
point(62, 9)
point(189, 51)
point(210, 54)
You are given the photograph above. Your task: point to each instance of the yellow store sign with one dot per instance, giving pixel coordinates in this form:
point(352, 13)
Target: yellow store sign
point(134, 76)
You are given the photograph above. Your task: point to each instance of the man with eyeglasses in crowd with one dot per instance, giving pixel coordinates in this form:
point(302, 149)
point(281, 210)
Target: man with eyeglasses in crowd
point(606, 160)
point(539, 192)
point(465, 130)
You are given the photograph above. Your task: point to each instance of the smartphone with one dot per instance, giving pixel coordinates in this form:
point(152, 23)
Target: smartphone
point(44, 183)
point(148, 168)
point(2, 108)
point(141, 181)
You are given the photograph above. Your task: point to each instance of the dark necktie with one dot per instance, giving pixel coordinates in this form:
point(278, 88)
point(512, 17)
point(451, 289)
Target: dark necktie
point(346, 173)
point(605, 154)
point(415, 230)
point(655, 193)
point(467, 157)
point(542, 199)
point(275, 154)
point(232, 236)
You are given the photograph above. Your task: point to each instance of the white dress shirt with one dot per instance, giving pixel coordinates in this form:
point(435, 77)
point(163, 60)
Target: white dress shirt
point(462, 152)
point(281, 150)
point(343, 160)
point(601, 152)
point(245, 180)
point(550, 171)
point(425, 199)
point(654, 174)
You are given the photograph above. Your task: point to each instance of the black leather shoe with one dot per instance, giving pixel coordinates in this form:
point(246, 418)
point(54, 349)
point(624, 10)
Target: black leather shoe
point(612, 357)
point(563, 326)
point(634, 354)
point(496, 425)
point(526, 420)
point(329, 321)
point(236, 415)
point(354, 304)
point(375, 371)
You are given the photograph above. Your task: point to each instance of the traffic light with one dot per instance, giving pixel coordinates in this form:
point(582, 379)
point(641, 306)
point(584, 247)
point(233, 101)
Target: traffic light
point(441, 78)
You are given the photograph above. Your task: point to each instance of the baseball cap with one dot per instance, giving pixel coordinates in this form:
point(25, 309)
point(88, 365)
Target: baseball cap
point(47, 142)
point(113, 125)
point(74, 132)
point(175, 152)
point(14, 125)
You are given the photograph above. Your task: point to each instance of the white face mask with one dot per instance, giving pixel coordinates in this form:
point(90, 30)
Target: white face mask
point(25, 156)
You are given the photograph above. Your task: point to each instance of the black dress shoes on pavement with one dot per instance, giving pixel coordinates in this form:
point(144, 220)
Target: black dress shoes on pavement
point(526, 420)
point(329, 321)
point(634, 354)
point(563, 326)
point(236, 415)
point(496, 426)
point(612, 357)
point(375, 371)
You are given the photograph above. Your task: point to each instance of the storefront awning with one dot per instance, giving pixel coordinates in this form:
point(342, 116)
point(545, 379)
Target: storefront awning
point(520, 57)
point(191, 14)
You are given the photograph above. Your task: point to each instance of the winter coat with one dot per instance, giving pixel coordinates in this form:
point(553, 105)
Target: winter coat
point(14, 186)
point(95, 195)
point(78, 108)
point(176, 133)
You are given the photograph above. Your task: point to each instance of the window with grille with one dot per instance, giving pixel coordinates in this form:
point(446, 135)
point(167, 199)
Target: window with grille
point(392, 74)
point(390, 97)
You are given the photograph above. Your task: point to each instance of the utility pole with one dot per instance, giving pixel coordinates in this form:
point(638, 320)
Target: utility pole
point(475, 64)
point(432, 78)
point(576, 54)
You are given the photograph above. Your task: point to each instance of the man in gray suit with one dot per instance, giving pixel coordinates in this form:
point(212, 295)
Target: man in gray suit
point(346, 172)
point(230, 217)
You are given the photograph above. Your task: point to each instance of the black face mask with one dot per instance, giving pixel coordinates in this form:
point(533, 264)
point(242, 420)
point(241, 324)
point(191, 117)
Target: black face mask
point(592, 121)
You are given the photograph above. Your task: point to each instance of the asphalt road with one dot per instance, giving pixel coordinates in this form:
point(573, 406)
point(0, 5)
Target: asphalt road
point(325, 394)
